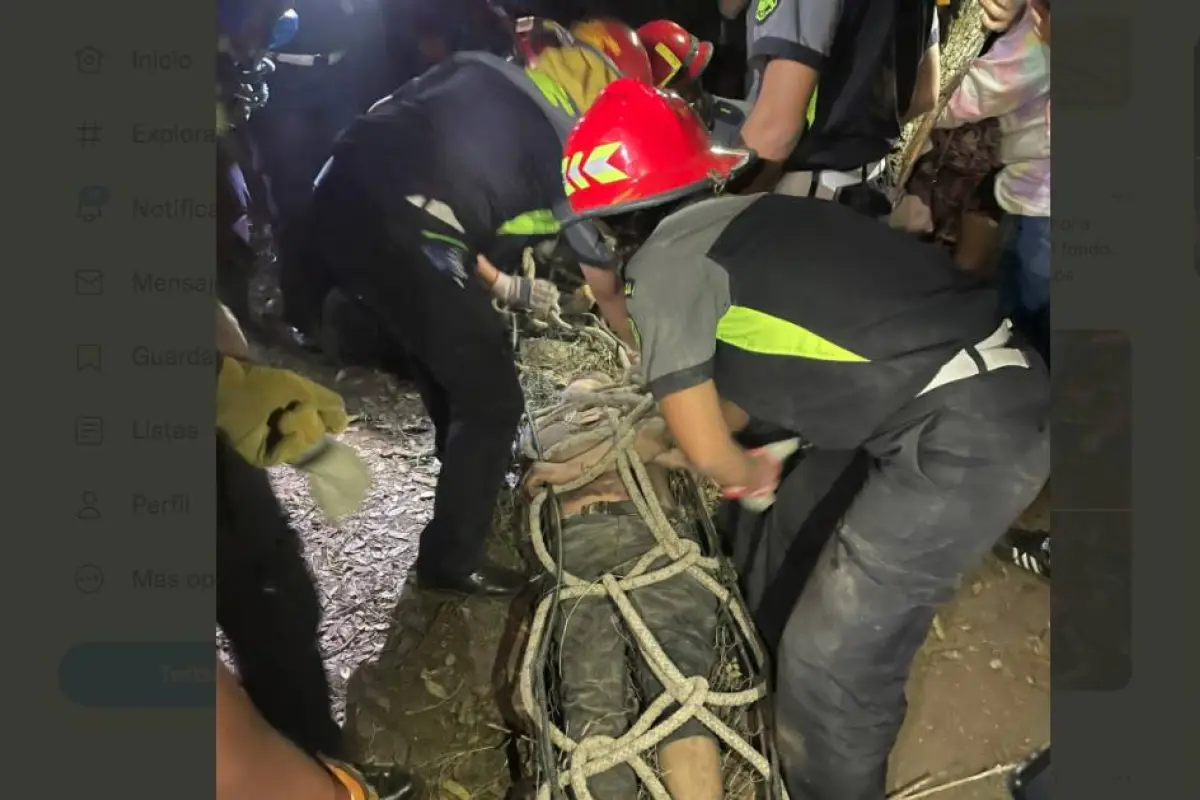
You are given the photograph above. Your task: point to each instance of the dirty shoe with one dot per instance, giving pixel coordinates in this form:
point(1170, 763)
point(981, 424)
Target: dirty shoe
point(1028, 550)
point(375, 783)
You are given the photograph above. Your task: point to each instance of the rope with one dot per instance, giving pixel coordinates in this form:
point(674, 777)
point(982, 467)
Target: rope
point(591, 326)
point(624, 406)
point(967, 31)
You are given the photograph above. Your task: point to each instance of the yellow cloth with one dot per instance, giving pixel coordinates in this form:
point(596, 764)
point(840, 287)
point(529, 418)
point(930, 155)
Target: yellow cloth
point(338, 480)
point(274, 416)
point(577, 72)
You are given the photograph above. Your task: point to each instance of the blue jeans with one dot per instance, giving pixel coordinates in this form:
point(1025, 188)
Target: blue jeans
point(1024, 272)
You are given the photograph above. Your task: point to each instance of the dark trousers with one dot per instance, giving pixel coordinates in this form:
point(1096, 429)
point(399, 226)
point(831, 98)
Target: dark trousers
point(268, 607)
point(454, 345)
point(940, 483)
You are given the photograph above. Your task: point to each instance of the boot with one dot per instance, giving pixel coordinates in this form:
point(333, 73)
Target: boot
point(375, 783)
point(1028, 550)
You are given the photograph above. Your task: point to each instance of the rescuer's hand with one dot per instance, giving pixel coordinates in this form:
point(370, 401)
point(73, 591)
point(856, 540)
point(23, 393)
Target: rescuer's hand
point(273, 416)
point(765, 467)
point(527, 294)
point(338, 480)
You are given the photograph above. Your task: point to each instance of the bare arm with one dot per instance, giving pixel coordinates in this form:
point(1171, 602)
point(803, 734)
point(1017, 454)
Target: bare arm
point(777, 119)
point(695, 419)
point(607, 289)
point(486, 271)
point(731, 8)
point(929, 80)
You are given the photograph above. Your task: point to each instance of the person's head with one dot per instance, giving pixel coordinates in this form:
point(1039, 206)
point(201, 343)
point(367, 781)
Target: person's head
point(246, 31)
point(619, 43)
point(636, 154)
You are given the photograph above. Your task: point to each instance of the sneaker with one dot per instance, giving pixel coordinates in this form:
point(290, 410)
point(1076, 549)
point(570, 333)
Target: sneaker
point(1028, 550)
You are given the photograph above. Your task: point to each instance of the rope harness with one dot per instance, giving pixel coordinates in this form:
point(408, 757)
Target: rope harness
point(623, 406)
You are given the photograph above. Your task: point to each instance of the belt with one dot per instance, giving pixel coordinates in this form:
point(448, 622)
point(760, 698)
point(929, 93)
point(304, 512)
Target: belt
point(310, 59)
point(984, 356)
point(824, 184)
point(609, 508)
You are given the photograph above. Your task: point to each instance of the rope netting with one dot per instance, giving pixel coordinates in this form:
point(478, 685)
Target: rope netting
point(622, 406)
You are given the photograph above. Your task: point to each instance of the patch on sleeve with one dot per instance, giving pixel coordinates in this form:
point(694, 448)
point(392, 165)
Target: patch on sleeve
point(764, 9)
point(448, 260)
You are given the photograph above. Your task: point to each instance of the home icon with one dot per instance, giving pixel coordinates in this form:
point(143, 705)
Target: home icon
point(89, 60)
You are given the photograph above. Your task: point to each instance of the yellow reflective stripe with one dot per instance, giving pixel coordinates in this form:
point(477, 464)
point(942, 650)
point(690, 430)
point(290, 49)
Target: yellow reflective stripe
point(566, 183)
point(669, 57)
point(597, 167)
point(571, 173)
point(551, 90)
point(531, 223)
point(440, 237)
point(757, 332)
point(812, 107)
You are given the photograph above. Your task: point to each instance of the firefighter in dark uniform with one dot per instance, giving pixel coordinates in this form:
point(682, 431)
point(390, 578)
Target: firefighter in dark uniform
point(810, 318)
point(267, 602)
point(327, 74)
point(422, 216)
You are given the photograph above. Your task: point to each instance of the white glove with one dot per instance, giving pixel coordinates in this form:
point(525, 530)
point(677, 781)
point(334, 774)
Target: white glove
point(526, 294)
point(338, 480)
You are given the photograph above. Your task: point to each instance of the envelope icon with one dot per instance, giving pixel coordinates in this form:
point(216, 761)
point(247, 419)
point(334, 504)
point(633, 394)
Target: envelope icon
point(89, 282)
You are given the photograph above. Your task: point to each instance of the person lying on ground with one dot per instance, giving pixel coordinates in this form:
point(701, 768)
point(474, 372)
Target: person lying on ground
point(602, 532)
point(256, 762)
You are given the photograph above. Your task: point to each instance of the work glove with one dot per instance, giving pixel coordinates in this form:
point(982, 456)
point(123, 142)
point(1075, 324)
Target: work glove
point(768, 465)
point(527, 294)
point(274, 416)
point(338, 480)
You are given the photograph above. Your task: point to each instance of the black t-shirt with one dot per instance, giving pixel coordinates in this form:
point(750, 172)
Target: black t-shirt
point(806, 314)
point(462, 138)
point(866, 53)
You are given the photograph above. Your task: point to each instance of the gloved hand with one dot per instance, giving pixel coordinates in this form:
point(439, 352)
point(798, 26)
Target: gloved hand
point(338, 480)
point(272, 416)
point(768, 464)
point(526, 294)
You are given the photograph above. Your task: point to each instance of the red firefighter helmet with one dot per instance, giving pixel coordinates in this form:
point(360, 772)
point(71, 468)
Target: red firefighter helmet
point(620, 43)
point(672, 49)
point(638, 147)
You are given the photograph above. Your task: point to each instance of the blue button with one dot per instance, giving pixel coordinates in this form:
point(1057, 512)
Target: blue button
point(139, 674)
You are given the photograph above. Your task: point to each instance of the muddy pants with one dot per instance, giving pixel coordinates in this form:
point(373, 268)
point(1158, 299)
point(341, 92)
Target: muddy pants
point(268, 607)
point(596, 652)
point(944, 478)
point(454, 345)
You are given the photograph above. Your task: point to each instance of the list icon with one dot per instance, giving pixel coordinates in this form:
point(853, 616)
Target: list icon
point(89, 431)
point(89, 358)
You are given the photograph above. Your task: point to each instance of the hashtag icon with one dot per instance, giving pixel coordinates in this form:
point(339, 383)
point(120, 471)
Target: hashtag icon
point(89, 134)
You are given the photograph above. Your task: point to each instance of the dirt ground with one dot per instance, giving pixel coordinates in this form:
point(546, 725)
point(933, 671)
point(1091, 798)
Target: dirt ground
point(420, 682)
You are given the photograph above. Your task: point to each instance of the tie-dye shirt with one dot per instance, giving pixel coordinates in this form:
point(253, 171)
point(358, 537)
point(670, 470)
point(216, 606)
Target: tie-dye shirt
point(1011, 82)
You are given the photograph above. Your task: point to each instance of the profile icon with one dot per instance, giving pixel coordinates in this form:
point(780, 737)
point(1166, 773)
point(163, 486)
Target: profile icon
point(89, 506)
